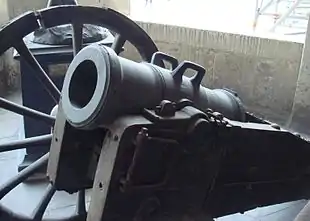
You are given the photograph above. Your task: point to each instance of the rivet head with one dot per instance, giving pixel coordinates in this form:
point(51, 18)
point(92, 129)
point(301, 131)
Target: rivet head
point(209, 110)
point(218, 115)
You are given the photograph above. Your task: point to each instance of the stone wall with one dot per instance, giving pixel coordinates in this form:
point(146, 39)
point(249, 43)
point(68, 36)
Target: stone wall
point(8, 75)
point(3, 11)
point(300, 116)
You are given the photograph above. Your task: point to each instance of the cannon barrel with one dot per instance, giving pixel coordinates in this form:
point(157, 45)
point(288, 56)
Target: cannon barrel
point(100, 86)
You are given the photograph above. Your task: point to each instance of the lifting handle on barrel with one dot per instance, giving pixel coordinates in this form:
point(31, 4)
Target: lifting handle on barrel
point(158, 59)
point(116, 86)
point(185, 65)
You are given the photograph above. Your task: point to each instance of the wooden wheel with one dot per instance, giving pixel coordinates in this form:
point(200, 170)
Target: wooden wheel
point(12, 35)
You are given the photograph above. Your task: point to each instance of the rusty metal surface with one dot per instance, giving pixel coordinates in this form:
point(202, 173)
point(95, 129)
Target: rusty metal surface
point(71, 153)
point(106, 164)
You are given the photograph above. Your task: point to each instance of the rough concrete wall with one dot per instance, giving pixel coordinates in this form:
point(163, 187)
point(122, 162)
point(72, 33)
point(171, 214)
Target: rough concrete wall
point(300, 117)
point(17, 7)
point(3, 73)
point(3, 11)
point(263, 71)
point(8, 72)
point(122, 6)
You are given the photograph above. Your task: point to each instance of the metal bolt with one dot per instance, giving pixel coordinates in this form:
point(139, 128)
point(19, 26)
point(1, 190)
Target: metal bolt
point(166, 108)
point(209, 110)
point(224, 122)
point(218, 115)
point(144, 131)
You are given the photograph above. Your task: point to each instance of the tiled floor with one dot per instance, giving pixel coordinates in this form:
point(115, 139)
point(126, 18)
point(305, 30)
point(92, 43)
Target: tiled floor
point(24, 198)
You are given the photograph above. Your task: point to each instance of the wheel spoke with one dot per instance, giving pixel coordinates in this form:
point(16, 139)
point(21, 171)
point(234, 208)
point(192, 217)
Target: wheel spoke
point(25, 111)
point(77, 39)
point(26, 143)
point(39, 211)
point(23, 175)
point(118, 43)
point(81, 210)
point(40, 74)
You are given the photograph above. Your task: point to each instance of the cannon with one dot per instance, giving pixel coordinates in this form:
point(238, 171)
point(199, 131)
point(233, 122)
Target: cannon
point(151, 143)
